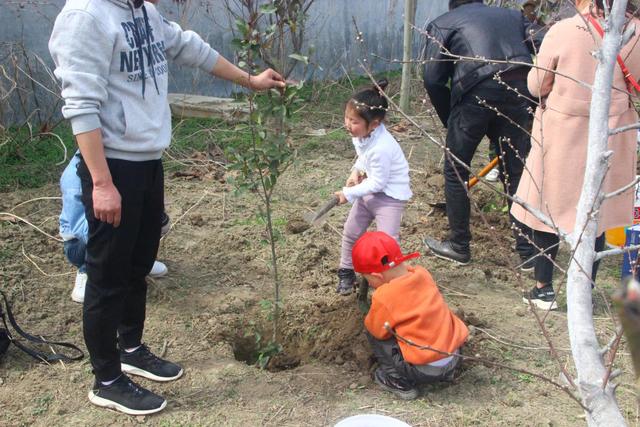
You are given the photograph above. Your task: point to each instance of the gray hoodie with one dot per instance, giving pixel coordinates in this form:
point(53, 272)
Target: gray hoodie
point(111, 59)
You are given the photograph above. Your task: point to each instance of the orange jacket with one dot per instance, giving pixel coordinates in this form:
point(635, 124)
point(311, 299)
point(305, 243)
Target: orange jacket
point(415, 309)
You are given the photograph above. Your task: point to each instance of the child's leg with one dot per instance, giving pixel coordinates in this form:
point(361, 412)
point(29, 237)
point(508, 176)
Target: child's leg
point(390, 359)
point(76, 251)
point(547, 242)
point(388, 213)
point(357, 223)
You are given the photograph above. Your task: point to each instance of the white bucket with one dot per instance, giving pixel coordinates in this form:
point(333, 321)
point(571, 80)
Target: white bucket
point(371, 420)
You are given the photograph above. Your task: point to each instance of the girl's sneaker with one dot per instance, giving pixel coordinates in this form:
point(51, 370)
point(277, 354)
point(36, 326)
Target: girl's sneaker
point(543, 298)
point(347, 281)
point(77, 294)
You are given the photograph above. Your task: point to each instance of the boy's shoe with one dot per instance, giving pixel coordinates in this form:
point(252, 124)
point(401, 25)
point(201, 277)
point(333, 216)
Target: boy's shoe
point(493, 175)
point(126, 396)
point(146, 364)
point(77, 294)
point(395, 386)
point(527, 263)
point(166, 224)
point(543, 298)
point(158, 270)
point(445, 250)
point(347, 281)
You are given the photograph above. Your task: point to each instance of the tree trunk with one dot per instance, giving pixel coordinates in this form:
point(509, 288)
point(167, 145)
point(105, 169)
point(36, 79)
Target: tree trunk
point(584, 343)
point(409, 21)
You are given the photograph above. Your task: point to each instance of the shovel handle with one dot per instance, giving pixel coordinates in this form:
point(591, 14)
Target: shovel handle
point(492, 164)
point(330, 204)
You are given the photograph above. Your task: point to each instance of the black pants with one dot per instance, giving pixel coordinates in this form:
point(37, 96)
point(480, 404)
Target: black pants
point(468, 123)
point(549, 243)
point(118, 261)
point(392, 363)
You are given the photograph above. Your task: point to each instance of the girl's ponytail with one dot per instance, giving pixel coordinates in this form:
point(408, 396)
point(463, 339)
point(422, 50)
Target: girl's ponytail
point(382, 85)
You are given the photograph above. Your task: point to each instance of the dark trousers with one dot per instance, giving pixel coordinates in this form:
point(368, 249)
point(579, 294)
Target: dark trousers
point(548, 244)
point(118, 260)
point(468, 123)
point(393, 365)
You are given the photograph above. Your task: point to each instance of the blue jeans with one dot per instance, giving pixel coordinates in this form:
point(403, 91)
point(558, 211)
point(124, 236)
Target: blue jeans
point(76, 251)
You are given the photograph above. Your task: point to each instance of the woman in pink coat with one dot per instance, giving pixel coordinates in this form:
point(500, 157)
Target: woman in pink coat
point(552, 181)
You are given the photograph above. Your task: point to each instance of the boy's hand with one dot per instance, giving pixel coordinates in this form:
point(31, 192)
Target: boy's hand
point(266, 80)
point(107, 203)
point(341, 199)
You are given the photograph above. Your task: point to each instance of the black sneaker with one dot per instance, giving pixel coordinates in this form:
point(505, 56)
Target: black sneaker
point(126, 396)
point(544, 298)
point(347, 281)
point(445, 250)
point(527, 263)
point(398, 387)
point(146, 364)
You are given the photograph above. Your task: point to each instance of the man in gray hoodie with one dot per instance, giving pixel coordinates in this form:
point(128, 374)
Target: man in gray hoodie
point(111, 58)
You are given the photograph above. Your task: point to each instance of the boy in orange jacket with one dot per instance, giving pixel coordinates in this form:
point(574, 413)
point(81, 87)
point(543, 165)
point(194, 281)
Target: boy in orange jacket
point(408, 299)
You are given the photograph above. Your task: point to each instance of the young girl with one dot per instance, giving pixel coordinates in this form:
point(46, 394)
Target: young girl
point(378, 185)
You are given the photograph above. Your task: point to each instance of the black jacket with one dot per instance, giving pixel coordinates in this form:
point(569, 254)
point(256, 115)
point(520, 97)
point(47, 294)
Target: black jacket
point(474, 30)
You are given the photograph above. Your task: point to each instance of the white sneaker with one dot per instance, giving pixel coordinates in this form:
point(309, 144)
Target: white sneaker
point(158, 270)
point(78, 289)
point(493, 175)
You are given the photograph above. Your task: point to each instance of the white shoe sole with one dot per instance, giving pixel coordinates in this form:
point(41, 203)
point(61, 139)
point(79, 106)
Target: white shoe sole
point(76, 298)
point(105, 403)
point(447, 258)
point(543, 305)
point(158, 275)
point(128, 369)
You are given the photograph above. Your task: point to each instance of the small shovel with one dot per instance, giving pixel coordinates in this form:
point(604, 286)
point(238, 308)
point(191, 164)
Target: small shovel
point(314, 218)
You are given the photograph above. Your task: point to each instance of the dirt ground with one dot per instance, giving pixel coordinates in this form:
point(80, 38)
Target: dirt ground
point(206, 313)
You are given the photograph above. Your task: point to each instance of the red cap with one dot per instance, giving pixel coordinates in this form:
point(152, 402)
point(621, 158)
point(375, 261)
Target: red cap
point(376, 252)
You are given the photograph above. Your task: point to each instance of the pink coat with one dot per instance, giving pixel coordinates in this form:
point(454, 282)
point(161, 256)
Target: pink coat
point(554, 173)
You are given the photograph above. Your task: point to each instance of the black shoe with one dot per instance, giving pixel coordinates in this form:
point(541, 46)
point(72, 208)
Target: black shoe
point(165, 224)
point(347, 281)
point(126, 396)
point(145, 364)
point(544, 298)
point(527, 263)
point(445, 250)
point(396, 386)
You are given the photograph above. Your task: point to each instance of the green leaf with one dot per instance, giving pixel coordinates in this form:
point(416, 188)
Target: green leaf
point(301, 58)
point(268, 8)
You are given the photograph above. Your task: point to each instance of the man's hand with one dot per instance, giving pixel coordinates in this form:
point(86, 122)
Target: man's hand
point(341, 199)
point(266, 80)
point(107, 203)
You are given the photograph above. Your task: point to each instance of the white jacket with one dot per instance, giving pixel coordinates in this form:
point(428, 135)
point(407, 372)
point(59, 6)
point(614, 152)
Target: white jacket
point(382, 159)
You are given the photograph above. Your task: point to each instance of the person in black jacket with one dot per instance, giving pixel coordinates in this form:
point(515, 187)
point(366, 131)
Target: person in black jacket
point(477, 97)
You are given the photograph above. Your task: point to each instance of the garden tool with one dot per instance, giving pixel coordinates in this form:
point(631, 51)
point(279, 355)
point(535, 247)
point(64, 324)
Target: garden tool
point(314, 218)
point(363, 293)
point(473, 181)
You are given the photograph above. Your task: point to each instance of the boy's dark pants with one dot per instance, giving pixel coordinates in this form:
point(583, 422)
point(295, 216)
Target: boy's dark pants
point(468, 123)
point(392, 363)
point(118, 260)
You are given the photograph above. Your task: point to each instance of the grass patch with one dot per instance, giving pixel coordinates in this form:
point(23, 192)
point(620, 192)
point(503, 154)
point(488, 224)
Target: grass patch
point(29, 162)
